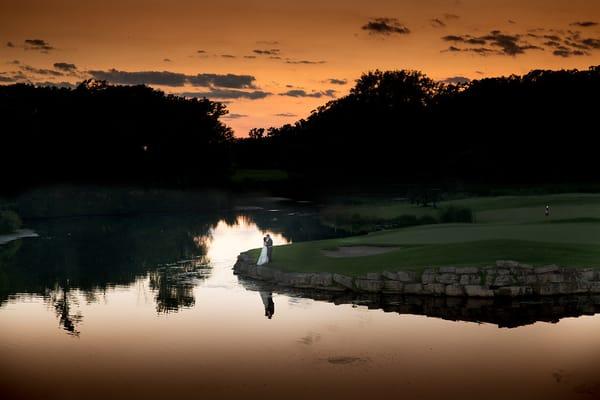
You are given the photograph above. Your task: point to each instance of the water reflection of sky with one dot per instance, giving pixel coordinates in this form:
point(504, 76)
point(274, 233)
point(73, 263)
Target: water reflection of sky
point(223, 347)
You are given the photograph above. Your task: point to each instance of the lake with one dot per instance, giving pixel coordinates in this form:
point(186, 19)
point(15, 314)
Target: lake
point(121, 306)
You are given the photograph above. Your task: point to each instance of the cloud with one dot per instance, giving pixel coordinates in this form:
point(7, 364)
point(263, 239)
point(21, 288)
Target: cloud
point(228, 94)
point(174, 79)
point(10, 44)
point(502, 43)
point(457, 80)
point(201, 51)
point(288, 61)
point(250, 57)
point(234, 116)
point(268, 42)
point(6, 79)
point(267, 52)
point(167, 60)
point(40, 71)
point(303, 93)
point(565, 52)
point(14, 62)
point(38, 44)
point(584, 24)
point(164, 78)
point(437, 23)
point(227, 56)
point(385, 26)
point(334, 81)
point(287, 115)
point(510, 21)
point(594, 43)
point(226, 81)
point(66, 67)
point(451, 16)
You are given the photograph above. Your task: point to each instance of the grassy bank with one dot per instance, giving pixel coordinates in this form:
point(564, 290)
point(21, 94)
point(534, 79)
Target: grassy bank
point(512, 228)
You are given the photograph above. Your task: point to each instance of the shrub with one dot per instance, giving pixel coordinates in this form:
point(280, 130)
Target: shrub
point(9, 221)
point(456, 214)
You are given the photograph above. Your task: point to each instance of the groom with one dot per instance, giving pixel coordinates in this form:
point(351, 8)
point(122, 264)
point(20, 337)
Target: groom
point(269, 244)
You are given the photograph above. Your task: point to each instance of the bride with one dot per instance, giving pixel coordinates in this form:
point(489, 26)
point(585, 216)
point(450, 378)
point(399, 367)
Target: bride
point(264, 254)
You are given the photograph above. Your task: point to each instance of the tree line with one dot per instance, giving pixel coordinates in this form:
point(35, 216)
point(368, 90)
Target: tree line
point(402, 126)
point(394, 126)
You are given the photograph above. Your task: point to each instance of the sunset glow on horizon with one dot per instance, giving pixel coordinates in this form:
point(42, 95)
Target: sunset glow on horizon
point(273, 62)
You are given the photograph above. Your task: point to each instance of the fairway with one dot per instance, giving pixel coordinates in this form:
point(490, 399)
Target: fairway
point(507, 227)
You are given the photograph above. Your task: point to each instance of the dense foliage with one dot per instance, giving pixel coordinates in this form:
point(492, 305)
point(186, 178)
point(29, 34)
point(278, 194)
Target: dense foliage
point(99, 132)
point(403, 126)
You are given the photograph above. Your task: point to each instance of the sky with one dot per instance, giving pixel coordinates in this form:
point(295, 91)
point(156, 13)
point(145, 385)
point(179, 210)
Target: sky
point(274, 61)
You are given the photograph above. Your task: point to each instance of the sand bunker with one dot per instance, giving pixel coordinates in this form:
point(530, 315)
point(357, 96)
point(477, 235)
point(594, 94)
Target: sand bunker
point(358, 251)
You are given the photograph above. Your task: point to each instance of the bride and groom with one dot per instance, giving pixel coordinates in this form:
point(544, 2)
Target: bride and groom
point(266, 254)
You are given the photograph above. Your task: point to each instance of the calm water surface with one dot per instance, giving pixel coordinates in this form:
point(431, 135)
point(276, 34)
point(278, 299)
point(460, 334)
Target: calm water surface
point(149, 307)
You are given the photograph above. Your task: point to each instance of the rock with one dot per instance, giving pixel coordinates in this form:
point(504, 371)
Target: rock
point(513, 291)
point(587, 274)
point(374, 276)
point(478, 291)
point(595, 287)
point(447, 278)
point(434, 288)
point(368, 285)
point(393, 287)
point(454, 290)
point(531, 279)
point(550, 278)
point(467, 270)
point(428, 277)
point(265, 273)
point(503, 280)
point(507, 264)
point(406, 276)
point(344, 281)
point(503, 272)
point(471, 279)
point(390, 275)
point(547, 269)
point(296, 279)
point(447, 270)
point(413, 288)
point(321, 279)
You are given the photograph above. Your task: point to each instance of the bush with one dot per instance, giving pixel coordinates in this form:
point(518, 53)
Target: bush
point(456, 214)
point(9, 221)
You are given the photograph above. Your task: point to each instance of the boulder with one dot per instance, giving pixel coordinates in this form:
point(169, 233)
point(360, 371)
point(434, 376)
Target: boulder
point(471, 279)
point(454, 290)
point(434, 288)
point(550, 278)
point(447, 278)
point(547, 269)
point(467, 270)
point(390, 275)
point(513, 291)
point(447, 270)
point(503, 280)
point(322, 279)
point(413, 288)
point(428, 277)
point(406, 276)
point(368, 285)
point(594, 287)
point(392, 287)
point(478, 291)
point(373, 276)
point(344, 281)
point(507, 264)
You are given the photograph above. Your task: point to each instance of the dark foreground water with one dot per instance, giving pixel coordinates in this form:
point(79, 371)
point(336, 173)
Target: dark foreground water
point(148, 307)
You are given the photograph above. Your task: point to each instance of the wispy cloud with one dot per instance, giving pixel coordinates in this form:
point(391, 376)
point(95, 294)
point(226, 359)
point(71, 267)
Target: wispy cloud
point(385, 26)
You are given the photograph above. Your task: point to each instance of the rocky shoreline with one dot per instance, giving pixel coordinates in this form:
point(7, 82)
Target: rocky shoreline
point(505, 279)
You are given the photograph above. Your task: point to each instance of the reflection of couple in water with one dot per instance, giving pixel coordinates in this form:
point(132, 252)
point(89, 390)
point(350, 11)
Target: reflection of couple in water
point(266, 253)
point(267, 299)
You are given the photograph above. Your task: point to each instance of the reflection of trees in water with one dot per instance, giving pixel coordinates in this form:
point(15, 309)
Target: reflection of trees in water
point(174, 284)
point(62, 299)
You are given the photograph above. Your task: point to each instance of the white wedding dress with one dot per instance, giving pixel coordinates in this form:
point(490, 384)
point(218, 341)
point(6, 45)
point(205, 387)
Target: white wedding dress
point(263, 258)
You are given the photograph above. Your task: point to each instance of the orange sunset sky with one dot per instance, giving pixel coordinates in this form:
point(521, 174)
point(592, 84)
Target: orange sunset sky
point(274, 61)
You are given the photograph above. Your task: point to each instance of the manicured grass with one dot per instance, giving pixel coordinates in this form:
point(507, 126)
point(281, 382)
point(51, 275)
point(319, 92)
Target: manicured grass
point(521, 232)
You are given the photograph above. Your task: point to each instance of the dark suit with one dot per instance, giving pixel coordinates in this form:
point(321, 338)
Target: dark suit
point(269, 243)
